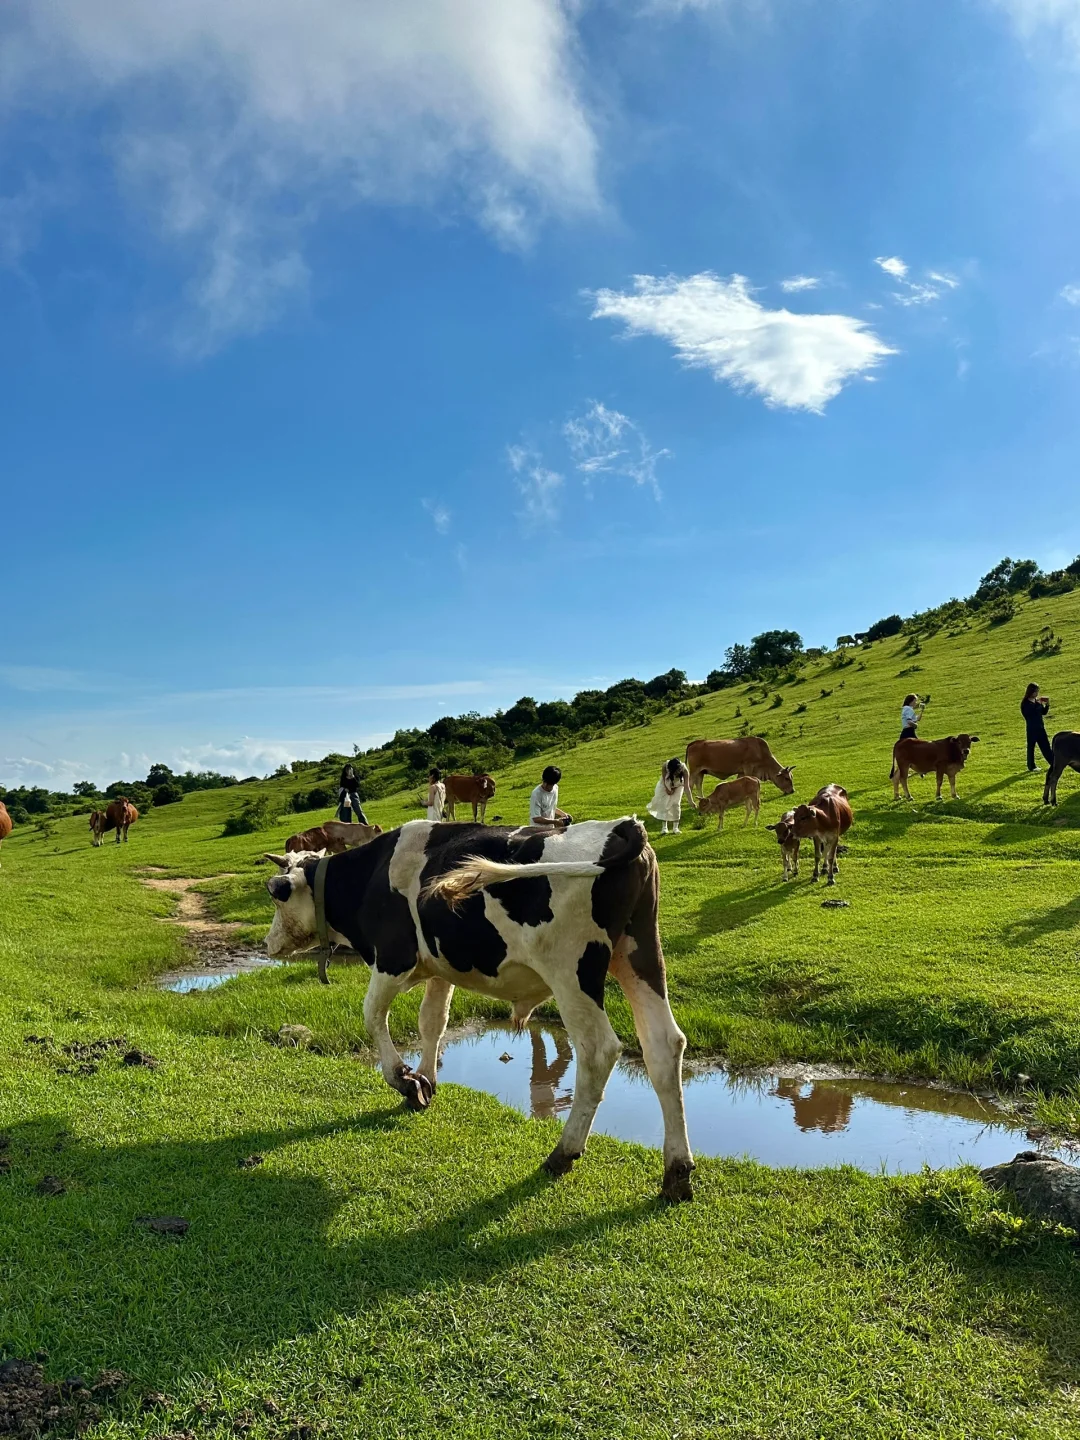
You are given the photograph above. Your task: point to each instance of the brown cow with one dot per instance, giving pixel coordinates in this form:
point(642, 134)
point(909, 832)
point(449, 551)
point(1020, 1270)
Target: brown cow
point(474, 790)
point(118, 815)
point(97, 827)
point(788, 841)
point(943, 757)
point(5, 823)
point(824, 820)
point(335, 837)
point(744, 791)
point(749, 755)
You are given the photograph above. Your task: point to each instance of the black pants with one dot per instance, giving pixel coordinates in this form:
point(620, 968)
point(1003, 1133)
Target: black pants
point(1039, 738)
point(351, 799)
point(908, 732)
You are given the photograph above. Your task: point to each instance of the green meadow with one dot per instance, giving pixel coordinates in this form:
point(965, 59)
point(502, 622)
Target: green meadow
point(381, 1273)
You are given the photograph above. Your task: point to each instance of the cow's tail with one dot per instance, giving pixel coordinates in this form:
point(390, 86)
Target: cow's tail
point(475, 873)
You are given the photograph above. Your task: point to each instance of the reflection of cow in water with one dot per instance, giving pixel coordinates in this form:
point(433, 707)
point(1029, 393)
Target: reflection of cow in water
point(545, 1076)
point(825, 1108)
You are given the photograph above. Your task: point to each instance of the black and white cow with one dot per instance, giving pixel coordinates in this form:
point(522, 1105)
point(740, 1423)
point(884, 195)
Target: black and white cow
point(521, 915)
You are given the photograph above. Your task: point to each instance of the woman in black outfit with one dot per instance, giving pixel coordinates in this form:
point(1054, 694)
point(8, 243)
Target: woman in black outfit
point(1033, 707)
point(349, 796)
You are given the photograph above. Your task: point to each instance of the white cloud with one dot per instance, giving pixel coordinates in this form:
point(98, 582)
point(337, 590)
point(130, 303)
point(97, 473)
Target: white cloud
point(539, 487)
point(1071, 294)
point(797, 361)
point(440, 515)
point(794, 283)
point(1060, 16)
point(916, 292)
point(231, 125)
point(607, 442)
point(892, 265)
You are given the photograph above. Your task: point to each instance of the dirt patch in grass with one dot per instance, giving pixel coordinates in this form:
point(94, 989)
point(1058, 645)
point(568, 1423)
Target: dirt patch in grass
point(31, 1406)
point(193, 911)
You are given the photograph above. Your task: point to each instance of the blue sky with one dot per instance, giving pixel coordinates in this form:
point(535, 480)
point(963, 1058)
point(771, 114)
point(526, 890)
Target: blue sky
point(362, 362)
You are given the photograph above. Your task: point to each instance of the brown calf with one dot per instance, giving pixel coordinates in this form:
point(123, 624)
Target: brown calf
point(942, 757)
point(335, 837)
point(744, 791)
point(474, 790)
point(789, 843)
point(824, 820)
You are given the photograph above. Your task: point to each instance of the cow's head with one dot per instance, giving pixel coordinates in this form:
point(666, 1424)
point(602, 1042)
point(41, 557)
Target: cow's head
point(965, 743)
point(784, 829)
point(784, 782)
point(805, 820)
point(487, 787)
point(294, 927)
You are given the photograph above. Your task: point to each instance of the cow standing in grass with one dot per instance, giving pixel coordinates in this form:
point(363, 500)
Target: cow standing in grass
point(789, 843)
point(474, 790)
point(118, 815)
point(333, 838)
point(748, 755)
point(929, 757)
point(511, 913)
point(1066, 756)
point(5, 823)
point(745, 791)
point(824, 820)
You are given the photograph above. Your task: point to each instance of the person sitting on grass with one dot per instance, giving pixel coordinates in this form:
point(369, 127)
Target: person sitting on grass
point(544, 802)
point(910, 715)
point(1033, 707)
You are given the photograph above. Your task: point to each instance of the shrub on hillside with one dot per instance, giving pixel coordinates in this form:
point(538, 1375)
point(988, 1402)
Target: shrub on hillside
point(419, 757)
point(1055, 582)
point(20, 815)
point(1046, 643)
point(1001, 609)
point(255, 814)
point(168, 794)
point(882, 629)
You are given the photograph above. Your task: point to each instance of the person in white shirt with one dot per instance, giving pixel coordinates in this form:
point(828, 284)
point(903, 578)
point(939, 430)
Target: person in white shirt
point(666, 803)
point(910, 715)
point(544, 802)
point(436, 795)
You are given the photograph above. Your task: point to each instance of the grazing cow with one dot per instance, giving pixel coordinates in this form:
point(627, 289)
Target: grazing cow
point(474, 790)
point(333, 838)
point(744, 791)
point(516, 914)
point(823, 820)
point(118, 815)
point(749, 755)
point(1065, 749)
point(5, 823)
point(789, 843)
point(942, 757)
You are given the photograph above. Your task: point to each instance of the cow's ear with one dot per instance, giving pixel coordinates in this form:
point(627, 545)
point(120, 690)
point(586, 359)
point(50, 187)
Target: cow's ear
point(972, 738)
point(279, 887)
point(772, 827)
point(281, 861)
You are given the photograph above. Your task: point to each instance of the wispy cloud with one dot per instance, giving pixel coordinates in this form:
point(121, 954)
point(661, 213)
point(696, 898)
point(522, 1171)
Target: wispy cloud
point(607, 442)
point(440, 515)
point(1071, 294)
point(539, 487)
point(892, 265)
point(1059, 18)
point(933, 285)
point(794, 283)
point(37, 678)
point(797, 361)
point(231, 126)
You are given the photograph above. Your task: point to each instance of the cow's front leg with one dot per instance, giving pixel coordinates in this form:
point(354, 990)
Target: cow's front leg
point(382, 991)
point(817, 859)
point(434, 1010)
point(952, 783)
point(596, 1047)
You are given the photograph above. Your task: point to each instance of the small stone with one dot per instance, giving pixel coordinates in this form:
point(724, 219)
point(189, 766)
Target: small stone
point(506, 1057)
point(50, 1185)
point(298, 1035)
point(836, 904)
point(164, 1224)
point(1041, 1185)
point(1023, 1079)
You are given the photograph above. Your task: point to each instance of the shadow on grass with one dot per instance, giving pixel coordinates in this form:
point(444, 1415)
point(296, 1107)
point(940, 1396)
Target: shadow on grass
point(735, 908)
point(1061, 917)
point(83, 1281)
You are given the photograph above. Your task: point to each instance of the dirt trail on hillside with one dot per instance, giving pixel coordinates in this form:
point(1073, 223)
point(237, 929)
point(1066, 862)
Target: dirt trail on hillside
point(192, 909)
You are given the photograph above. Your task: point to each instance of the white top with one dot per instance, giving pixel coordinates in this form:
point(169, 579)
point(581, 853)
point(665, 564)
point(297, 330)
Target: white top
point(909, 715)
point(437, 793)
point(543, 803)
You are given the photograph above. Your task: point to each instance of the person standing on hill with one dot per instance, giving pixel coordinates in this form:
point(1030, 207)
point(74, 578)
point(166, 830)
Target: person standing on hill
point(1033, 707)
point(436, 795)
point(349, 797)
point(544, 802)
point(910, 715)
point(666, 803)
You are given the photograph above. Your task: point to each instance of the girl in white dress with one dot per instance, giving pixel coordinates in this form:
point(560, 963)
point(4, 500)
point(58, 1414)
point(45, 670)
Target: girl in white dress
point(436, 795)
point(666, 803)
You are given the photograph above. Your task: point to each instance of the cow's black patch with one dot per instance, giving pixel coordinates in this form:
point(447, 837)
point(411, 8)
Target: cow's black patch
point(362, 905)
point(465, 937)
point(624, 843)
point(527, 902)
point(592, 970)
point(528, 849)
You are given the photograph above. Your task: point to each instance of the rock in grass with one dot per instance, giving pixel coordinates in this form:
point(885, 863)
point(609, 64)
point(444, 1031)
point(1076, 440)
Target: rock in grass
point(164, 1224)
point(1042, 1185)
point(836, 904)
point(141, 1057)
point(298, 1035)
point(250, 1161)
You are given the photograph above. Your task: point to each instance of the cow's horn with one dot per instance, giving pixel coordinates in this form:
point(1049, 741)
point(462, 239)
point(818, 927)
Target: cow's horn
point(282, 861)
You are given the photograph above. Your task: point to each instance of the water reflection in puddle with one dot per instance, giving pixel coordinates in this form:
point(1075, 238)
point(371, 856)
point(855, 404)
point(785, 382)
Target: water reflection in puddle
point(804, 1123)
point(208, 977)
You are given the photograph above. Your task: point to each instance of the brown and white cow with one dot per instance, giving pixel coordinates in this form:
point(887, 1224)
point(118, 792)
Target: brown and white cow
point(333, 838)
point(789, 843)
point(747, 755)
point(925, 757)
point(118, 815)
point(6, 823)
point(744, 791)
point(516, 914)
point(474, 790)
point(826, 817)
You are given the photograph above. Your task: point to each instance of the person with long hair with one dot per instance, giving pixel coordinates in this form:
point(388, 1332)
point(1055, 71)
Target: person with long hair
point(1033, 707)
point(666, 803)
point(348, 806)
point(436, 795)
point(910, 715)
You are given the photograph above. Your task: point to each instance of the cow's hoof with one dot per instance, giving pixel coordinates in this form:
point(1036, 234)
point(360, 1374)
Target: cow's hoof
point(417, 1089)
point(558, 1163)
point(677, 1185)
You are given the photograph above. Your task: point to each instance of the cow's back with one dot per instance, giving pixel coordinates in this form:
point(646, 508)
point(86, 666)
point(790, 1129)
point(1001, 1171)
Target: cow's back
point(745, 754)
point(5, 822)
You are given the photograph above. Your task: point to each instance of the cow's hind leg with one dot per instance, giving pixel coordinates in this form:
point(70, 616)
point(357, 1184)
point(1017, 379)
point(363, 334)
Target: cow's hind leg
point(381, 993)
point(662, 1045)
point(434, 1010)
point(596, 1047)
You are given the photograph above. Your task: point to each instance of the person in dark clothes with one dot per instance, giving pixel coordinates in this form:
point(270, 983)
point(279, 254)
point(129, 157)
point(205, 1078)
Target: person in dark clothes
point(349, 797)
point(1033, 707)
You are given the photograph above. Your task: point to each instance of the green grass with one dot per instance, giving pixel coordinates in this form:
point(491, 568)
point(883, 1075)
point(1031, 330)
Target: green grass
point(386, 1274)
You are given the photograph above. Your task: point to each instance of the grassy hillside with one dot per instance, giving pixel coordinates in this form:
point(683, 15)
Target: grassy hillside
point(383, 1274)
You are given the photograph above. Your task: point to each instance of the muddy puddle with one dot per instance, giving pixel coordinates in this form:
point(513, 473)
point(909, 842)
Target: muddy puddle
point(215, 973)
point(872, 1124)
